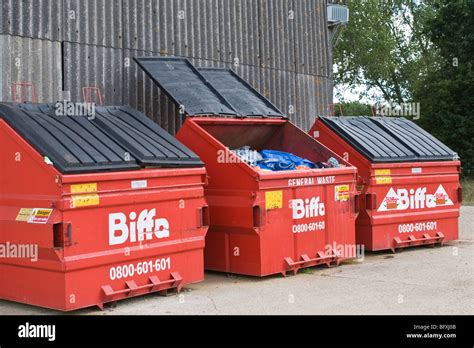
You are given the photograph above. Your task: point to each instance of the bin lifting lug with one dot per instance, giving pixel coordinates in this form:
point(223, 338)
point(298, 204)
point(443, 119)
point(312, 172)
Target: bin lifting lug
point(306, 261)
point(412, 241)
point(155, 284)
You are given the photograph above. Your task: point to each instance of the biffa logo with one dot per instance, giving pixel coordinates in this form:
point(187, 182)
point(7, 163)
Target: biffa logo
point(307, 208)
point(403, 199)
point(145, 226)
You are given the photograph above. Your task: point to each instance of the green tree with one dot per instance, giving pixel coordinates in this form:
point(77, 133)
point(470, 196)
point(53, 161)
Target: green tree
point(446, 94)
point(353, 109)
point(384, 47)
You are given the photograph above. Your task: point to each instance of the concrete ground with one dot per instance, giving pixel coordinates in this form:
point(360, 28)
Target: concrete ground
point(415, 281)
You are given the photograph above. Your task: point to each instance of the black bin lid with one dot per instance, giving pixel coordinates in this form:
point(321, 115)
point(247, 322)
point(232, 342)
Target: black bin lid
point(242, 96)
point(389, 139)
point(185, 86)
point(206, 91)
point(117, 138)
point(423, 144)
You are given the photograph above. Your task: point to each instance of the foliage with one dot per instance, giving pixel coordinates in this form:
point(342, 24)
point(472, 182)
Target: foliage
point(446, 94)
point(353, 109)
point(384, 47)
point(415, 51)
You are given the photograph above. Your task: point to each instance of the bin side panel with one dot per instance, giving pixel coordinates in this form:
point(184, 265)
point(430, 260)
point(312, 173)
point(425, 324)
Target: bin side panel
point(412, 206)
point(39, 287)
point(24, 171)
point(255, 229)
point(316, 220)
point(89, 249)
point(224, 169)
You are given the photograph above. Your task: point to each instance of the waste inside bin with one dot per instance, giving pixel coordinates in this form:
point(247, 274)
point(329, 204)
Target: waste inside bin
point(262, 221)
point(94, 210)
point(409, 180)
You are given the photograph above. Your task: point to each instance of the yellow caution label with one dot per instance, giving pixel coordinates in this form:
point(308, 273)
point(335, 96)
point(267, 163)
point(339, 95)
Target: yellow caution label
point(273, 200)
point(85, 200)
point(382, 176)
point(383, 180)
point(382, 172)
point(84, 188)
point(341, 193)
point(24, 214)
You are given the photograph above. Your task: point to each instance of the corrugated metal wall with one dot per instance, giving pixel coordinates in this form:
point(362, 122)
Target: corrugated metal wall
point(280, 46)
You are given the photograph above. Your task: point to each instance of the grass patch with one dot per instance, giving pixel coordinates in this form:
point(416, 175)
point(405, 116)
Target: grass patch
point(467, 190)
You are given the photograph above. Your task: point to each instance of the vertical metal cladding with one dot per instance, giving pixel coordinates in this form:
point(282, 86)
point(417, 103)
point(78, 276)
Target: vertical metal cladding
point(277, 34)
point(93, 22)
point(182, 16)
point(311, 37)
point(280, 47)
point(250, 73)
point(93, 66)
point(42, 19)
point(172, 27)
point(239, 31)
point(142, 24)
point(279, 87)
point(324, 65)
point(141, 93)
point(312, 98)
point(33, 61)
point(197, 29)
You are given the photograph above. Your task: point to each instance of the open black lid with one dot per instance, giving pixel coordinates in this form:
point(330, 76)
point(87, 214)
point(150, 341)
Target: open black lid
point(389, 139)
point(114, 138)
point(243, 97)
point(185, 86)
point(206, 91)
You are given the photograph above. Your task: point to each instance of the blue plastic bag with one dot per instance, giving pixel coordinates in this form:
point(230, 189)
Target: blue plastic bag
point(276, 164)
point(286, 159)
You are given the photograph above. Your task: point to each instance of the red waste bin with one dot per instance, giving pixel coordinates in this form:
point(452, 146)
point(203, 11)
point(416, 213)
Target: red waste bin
point(408, 180)
point(262, 222)
point(96, 210)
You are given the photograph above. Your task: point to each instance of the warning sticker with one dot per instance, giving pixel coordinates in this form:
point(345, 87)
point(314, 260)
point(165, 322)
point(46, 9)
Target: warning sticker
point(24, 214)
point(40, 216)
point(273, 200)
point(383, 180)
point(382, 176)
point(341, 193)
point(84, 188)
point(85, 200)
point(382, 172)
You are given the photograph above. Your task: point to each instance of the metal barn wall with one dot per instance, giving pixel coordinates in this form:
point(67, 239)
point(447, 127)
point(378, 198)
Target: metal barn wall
point(280, 46)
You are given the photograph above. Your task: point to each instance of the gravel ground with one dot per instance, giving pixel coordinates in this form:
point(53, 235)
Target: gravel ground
point(415, 281)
